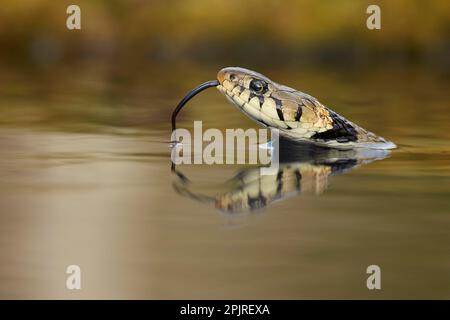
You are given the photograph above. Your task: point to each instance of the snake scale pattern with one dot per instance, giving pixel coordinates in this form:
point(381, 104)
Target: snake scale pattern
point(298, 116)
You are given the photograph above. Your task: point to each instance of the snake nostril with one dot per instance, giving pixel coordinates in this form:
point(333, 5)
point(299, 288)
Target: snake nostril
point(232, 77)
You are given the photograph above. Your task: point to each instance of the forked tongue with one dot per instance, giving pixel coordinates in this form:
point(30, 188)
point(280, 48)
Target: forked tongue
point(189, 96)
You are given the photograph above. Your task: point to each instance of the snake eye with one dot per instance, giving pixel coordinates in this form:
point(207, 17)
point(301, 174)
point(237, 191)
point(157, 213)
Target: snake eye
point(258, 86)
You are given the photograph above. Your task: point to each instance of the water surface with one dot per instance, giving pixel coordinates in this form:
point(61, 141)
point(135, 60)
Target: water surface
point(86, 180)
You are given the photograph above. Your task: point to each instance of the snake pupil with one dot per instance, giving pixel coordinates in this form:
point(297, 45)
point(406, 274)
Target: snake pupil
point(258, 86)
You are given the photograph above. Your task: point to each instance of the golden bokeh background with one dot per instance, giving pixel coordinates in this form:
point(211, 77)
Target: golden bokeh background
point(290, 31)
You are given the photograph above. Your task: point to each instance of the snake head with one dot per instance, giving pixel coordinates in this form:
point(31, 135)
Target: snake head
point(263, 100)
point(234, 77)
point(240, 85)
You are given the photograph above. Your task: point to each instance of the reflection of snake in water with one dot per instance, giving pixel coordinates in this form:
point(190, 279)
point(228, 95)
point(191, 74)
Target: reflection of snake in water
point(304, 171)
point(298, 116)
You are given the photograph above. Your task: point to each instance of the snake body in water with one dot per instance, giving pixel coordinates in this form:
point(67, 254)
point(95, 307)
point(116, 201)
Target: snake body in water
point(297, 115)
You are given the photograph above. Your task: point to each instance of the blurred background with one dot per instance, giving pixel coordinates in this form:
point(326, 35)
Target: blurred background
point(84, 137)
point(148, 48)
point(291, 32)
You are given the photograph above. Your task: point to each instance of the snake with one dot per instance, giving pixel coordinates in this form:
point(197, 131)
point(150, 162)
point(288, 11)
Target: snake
point(297, 115)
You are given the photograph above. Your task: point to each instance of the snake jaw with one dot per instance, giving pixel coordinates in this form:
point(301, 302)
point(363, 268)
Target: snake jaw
point(227, 94)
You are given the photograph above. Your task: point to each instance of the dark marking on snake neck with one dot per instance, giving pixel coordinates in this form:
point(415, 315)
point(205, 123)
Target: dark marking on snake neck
point(342, 131)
